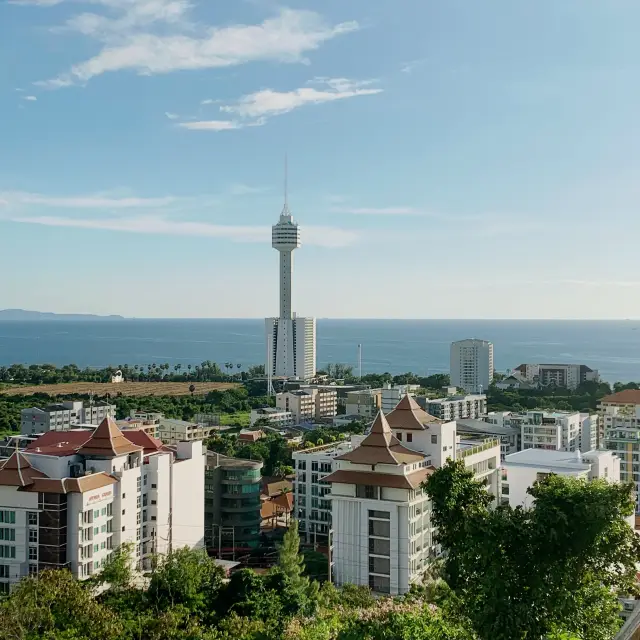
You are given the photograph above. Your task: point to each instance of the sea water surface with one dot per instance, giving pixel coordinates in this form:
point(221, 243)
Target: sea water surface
point(396, 346)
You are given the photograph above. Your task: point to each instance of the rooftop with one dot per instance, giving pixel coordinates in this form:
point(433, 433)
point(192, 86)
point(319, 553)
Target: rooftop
point(215, 460)
point(549, 458)
point(628, 396)
point(480, 426)
point(409, 415)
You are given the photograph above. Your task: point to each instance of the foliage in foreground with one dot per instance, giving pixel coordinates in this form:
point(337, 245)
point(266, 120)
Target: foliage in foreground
point(556, 568)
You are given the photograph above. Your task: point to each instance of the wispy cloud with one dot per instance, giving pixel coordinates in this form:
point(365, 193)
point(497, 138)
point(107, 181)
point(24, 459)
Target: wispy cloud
point(37, 3)
point(134, 41)
point(410, 67)
point(240, 189)
point(29, 98)
point(171, 116)
point(255, 109)
point(211, 125)
point(82, 201)
point(267, 102)
point(330, 237)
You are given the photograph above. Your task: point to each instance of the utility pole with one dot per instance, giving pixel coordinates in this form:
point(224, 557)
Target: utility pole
point(329, 546)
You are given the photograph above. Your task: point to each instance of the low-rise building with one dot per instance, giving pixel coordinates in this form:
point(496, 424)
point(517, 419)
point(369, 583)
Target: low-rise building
point(278, 418)
point(150, 428)
point(551, 430)
point(391, 395)
point(364, 402)
point(171, 431)
point(471, 406)
point(510, 437)
point(308, 404)
point(569, 376)
point(62, 416)
point(232, 503)
point(250, 435)
point(72, 497)
point(521, 470)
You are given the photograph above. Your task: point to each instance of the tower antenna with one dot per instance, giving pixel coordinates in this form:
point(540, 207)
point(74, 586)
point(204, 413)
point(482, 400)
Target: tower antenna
point(286, 182)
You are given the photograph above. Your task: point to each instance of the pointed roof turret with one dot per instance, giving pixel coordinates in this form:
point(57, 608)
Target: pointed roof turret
point(381, 447)
point(18, 472)
point(409, 415)
point(108, 441)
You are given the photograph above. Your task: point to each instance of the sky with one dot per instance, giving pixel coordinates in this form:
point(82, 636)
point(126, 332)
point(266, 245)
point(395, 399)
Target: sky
point(447, 159)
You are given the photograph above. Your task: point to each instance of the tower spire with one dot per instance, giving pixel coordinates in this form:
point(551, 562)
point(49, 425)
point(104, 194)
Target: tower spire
point(285, 209)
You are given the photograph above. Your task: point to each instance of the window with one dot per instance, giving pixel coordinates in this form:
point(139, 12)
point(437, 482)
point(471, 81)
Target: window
point(33, 536)
point(367, 492)
point(380, 529)
point(505, 489)
point(144, 500)
point(33, 553)
point(110, 509)
point(144, 482)
point(32, 518)
point(380, 565)
point(4, 570)
point(383, 515)
point(153, 485)
point(380, 584)
point(138, 518)
point(103, 511)
point(96, 514)
point(96, 548)
point(434, 439)
point(153, 502)
point(103, 545)
point(139, 502)
point(103, 528)
point(123, 528)
point(124, 495)
point(409, 437)
point(379, 547)
point(123, 511)
point(8, 517)
point(7, 534)
point(96, 531)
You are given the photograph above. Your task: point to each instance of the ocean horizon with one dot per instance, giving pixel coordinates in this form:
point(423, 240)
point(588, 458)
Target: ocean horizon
point(396, 346)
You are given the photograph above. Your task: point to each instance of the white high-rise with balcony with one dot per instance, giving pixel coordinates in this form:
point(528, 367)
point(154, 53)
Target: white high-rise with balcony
point(291, 341)
point(472, 365)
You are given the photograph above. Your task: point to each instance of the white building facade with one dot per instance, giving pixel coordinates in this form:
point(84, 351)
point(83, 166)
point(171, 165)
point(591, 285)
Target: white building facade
point(71, 498)
point(569, 376)
point(471, 365)
point(291, 340)
point(471, 406)
point(521, 470)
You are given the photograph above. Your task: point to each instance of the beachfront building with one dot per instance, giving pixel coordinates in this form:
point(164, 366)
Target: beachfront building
point(290, 340)
point(381, 518)
point(471, 365)
point(63, 415)
point(232, 503)
point(172, 431)
point(521, 470)
point(310, 489)
point(72, 497)
point(456, 407)
point(569, 376)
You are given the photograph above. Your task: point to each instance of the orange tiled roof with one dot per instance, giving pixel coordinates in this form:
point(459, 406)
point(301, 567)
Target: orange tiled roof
point(409, 415)
point(628, 396)
point(108, 441)
point(410, 481)
point(18, 472)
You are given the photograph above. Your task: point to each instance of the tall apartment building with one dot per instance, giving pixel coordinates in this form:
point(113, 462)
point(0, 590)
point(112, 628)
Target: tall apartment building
point(569, 376)
point(62, 416)
point(309, 404)
point(521, 470)
point(471, 365)
point(232, 503)
point(380, 517)
point(556, 430)
point(469, 407)
point(72, 497)
point(620, 419)
point(311, 506)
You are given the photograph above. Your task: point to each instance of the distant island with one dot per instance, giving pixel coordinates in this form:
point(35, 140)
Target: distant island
point(24, 315)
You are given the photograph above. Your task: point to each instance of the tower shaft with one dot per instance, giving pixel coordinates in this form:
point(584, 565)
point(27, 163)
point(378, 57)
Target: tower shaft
point(286, 275)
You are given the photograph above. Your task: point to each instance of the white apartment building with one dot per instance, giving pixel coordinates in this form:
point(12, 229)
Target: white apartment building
point(278, 418)
point(72, 497)
point(569, 376)
point(553, 430)
point(364, 403)
point(308, 404)
point(172, 431)
point(380, 516)
point(469, 407)
point(311, 506)
point(510, 437)
point(392, 394)
point(471, 365)
point(61, 416)
point(521, 470)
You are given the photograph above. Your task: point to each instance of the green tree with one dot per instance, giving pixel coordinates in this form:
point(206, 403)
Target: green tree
point(527, 573)
point(117, 571)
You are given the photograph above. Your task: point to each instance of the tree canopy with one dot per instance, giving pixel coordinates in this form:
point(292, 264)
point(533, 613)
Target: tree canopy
point(555, 568)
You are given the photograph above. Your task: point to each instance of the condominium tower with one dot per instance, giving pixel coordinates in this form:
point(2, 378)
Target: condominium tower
point(472, 365)
point(291, 341)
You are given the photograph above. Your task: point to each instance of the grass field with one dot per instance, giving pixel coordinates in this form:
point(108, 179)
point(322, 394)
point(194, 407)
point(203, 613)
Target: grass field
point(240, 418)
point(123, 388)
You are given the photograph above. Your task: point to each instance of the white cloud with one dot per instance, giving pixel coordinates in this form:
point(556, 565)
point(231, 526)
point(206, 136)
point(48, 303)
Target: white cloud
point(154, 225)
point(37, 3)
point(211, 125)
point(132, 42)
point(208, 101)
point(171, 116)
point(240, 189)
point(29, 98)
point(267, 102)
point(82, 202)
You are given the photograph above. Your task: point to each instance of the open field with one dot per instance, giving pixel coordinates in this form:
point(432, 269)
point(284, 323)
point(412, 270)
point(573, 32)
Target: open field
point(123, 388)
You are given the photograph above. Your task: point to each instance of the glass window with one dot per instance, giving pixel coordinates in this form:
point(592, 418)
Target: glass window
point(384, 515)
point(379, 528)
point(409, 437)
point(379, 547)
point(96, 514)
point(33, 536)
point(434, 439)
point(33, 553)
point(32, 517)
point(380, 565)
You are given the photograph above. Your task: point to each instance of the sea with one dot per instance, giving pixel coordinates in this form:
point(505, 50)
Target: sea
point(396, 346)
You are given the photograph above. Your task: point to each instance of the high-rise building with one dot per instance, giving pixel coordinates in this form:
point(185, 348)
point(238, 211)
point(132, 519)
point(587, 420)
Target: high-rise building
point(291, 341)
point(472, 365)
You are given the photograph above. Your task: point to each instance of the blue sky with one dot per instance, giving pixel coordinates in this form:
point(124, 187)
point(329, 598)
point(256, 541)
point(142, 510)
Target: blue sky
point(446, 158)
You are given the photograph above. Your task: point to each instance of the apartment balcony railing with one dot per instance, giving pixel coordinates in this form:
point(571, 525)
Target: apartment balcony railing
point(487, 444)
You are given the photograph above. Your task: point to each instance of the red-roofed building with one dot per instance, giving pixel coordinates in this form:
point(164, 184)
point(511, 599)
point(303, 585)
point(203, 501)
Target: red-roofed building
point(72, 497)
